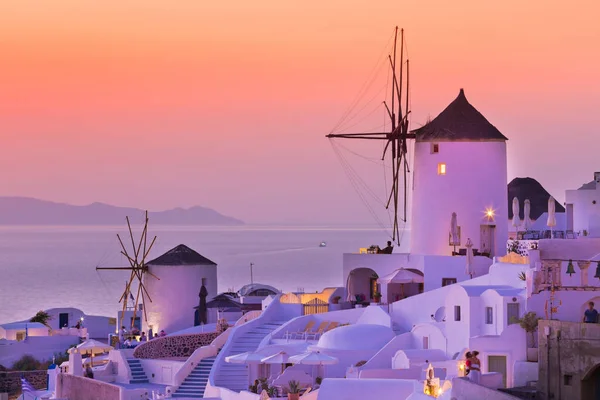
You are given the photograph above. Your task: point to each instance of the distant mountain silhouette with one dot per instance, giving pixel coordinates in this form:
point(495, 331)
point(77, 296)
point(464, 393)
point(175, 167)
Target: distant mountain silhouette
point(29, 211)
point(529, 188)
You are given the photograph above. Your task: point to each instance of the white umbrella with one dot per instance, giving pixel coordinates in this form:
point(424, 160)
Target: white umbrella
point(313, 358)
point(93, 347)
point(402, 276)
point(527, 215)
point(278, 358)
point(248, 357)
point(470, 258)
point(455, 239)
point(350, 287)
point(551, 214)
point(516, 221)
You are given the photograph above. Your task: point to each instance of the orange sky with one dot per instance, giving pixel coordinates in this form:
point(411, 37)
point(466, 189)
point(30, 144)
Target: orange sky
point(160, 104)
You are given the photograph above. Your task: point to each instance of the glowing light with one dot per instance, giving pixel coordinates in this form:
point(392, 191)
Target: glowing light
point(490, 213)
point(440, 391)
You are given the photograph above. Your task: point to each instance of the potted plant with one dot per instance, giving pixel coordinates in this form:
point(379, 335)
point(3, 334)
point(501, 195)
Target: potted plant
point(529, 322)
point(377, 297)
point(293, 390)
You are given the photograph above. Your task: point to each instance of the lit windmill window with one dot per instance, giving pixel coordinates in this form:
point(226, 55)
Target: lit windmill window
point(441, 169)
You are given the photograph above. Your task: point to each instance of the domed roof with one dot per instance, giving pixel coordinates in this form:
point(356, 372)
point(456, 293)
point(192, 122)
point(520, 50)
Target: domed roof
point(356, 337)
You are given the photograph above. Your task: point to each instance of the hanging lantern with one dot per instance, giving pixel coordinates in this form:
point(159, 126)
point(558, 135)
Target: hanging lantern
point(597, 271)
point(570, 269)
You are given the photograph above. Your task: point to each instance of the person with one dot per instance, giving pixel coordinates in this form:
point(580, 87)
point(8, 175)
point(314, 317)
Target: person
point(143, 337)
point(590, 316)
point(388, 249)
point(88, 372)
point(162, 333)
point(475, 368)
point(468, 356)
point(122, 334)
point(155, 336)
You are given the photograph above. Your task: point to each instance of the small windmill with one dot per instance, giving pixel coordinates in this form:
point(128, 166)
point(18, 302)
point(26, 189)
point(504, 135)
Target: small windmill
point(138, 267)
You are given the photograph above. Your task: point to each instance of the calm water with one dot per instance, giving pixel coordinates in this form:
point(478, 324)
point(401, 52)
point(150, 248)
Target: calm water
point(46, 267)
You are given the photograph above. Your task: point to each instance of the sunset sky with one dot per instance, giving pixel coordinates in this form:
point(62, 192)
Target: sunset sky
point(225, 104)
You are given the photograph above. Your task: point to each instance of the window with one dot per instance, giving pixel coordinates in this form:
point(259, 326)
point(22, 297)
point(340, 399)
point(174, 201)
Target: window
point(489, 315)
point(457, 313)
point(441, 169)
point(568, 380)
point(512, 313)
point(448, 281)
point(425, 342)
point(435, 148)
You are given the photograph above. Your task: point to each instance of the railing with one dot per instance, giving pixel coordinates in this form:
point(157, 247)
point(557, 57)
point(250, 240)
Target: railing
point(249, 316)
point(198, 355)
point(267, 315)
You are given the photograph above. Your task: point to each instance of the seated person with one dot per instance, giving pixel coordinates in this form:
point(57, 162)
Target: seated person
point(388, 249)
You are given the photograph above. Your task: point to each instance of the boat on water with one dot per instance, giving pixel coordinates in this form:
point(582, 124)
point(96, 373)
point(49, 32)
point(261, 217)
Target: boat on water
point(323, 244)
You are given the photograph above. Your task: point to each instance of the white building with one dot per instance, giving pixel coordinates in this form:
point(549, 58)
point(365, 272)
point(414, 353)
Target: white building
point(19, 330)
point(181, 273)
point(459, 166)
point(583, 208)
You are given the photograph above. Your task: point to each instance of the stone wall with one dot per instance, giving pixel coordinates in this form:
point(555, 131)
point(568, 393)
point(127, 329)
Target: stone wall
point(79, 388)
point(180, 346)
point(10, 381)
point(569, 360)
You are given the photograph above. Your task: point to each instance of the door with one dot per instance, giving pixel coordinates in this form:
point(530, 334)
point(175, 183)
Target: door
point(485, 244)
point(63, 320)
point(569, 217)
point(498, 364)
point(512, 313)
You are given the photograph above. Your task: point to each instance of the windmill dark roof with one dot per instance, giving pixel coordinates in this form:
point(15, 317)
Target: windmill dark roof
point(529, 188)
point(459, 121)
point(181, 255)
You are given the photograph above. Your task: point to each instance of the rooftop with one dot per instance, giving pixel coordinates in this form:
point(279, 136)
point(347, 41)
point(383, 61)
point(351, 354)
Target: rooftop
point(181, 255)
point(459, 121)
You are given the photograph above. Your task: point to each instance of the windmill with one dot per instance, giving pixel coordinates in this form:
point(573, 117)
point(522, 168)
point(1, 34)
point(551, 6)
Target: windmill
point(396, 139)
point(138, 268)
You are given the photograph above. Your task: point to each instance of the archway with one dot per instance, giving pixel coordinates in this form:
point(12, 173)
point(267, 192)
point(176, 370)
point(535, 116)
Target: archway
point(363, 281)
point(590, 384)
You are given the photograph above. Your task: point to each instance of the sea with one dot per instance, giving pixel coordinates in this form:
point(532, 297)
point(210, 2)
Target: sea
point(44, 267)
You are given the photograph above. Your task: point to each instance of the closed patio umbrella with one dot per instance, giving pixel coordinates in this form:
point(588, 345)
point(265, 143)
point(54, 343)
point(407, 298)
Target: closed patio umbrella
point(454, 236)
point(350, 287)
point(551, 214)
point(470, 258)
point(516, 221)
point(527, 215)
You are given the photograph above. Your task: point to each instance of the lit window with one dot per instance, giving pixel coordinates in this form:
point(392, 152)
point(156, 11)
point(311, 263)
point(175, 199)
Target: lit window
point(441, 169)
point(435, 148)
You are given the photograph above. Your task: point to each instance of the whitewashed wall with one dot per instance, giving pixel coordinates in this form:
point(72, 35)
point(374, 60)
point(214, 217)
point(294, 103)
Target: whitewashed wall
point(476, 179)
point(175, 295)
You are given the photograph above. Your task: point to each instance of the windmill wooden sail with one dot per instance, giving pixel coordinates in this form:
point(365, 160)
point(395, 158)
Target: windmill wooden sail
point(397, 138)
point(137, 265)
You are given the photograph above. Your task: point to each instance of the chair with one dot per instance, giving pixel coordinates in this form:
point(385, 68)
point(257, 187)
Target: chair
point(322, 326)
point(301, 333)
point(331, 326)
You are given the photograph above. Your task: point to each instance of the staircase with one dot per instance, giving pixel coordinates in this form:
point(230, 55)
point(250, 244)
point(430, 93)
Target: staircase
point(193, 386)
point(235, 376)
point(137, 372)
